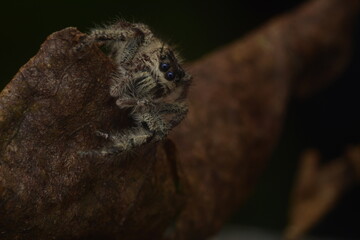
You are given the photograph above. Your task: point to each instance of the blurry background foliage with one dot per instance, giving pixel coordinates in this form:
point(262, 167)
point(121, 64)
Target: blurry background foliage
point(328, 121)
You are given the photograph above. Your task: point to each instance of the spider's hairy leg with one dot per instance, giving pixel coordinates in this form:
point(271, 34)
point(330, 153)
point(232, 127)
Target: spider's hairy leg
point(132, 93)
point(128, 102)
point(122, 82)
point(152, 126)
point(119, 82)
point(121, 142)
point(102, 134)
point(178, 110)
point(131, 138)
point(113, 33)
point(139, 86)
point(132, 38)
point(145, 85)
point(156, 121)
point(128, 39)
point(131, 47)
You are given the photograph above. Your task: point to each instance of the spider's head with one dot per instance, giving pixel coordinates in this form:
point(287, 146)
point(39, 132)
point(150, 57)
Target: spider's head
point(171, 75)
point(168, 64)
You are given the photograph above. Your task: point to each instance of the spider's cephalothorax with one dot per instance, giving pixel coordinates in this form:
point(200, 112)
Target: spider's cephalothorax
point(149, 80)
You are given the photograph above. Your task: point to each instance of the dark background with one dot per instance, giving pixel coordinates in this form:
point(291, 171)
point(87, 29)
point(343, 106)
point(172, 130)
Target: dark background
point(328, 121)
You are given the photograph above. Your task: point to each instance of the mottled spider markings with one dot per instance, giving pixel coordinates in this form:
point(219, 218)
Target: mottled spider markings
point(149, 80)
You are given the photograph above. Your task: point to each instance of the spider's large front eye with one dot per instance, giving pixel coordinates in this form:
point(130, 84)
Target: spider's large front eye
point(164, 67)
point(170, 76)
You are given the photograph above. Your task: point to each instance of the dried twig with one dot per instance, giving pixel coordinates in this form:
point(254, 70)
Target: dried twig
point(318, 188)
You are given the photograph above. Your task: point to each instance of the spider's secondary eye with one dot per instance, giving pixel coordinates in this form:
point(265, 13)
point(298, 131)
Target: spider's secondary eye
point(164, 67)
point(170, 76)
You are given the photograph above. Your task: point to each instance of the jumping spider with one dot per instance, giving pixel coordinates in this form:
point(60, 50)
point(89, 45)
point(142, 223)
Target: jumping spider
point(149, 80)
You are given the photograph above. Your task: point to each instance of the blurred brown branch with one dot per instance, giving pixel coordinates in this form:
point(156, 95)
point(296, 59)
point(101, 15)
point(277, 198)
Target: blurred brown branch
point(52, 107)
point(318, 188)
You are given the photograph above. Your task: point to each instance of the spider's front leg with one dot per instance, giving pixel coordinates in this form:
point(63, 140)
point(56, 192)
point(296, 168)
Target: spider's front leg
point(149, 126)
point(127, 38)
point(152, 125)
point(121, 142)
point(131, 89)
point(161, 118)
point(178, 110)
